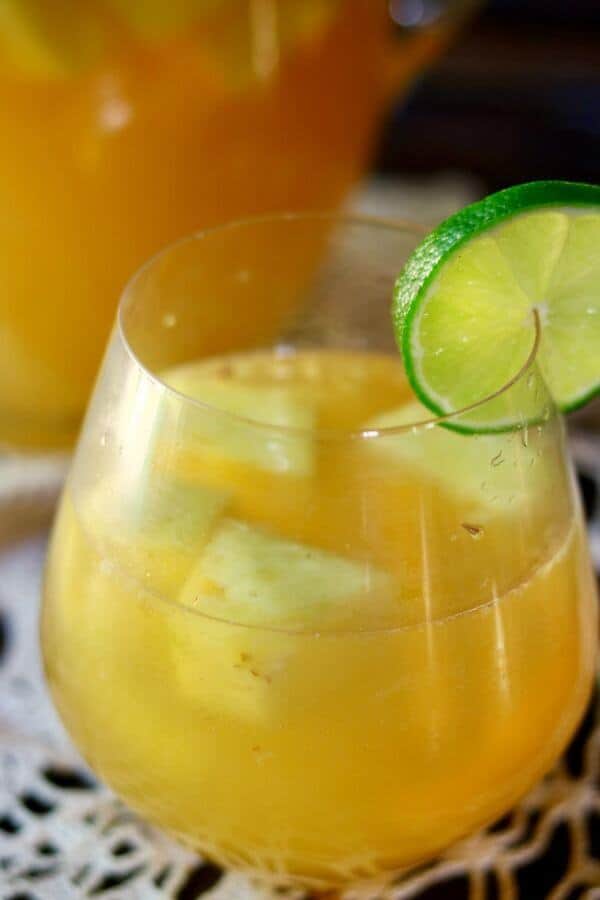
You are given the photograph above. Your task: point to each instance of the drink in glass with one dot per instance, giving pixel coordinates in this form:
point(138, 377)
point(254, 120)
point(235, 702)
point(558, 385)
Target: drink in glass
point(289, 617)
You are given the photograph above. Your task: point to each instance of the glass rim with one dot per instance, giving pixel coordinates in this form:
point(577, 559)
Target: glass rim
point(342, 219)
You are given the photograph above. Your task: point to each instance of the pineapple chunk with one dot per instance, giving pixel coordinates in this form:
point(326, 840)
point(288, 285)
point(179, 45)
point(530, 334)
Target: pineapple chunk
point(490, 473)
point(233, 438)
point(248, 576)
point(157, 535)
point(249, 584)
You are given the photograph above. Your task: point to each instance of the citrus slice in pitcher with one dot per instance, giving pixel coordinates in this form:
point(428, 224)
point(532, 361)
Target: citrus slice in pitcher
point(49, 40)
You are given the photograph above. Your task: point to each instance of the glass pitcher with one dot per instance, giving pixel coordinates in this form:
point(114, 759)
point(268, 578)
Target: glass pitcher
point(127, 123)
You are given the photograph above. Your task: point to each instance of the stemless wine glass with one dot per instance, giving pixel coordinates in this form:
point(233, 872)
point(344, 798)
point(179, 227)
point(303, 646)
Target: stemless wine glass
point(290, 617)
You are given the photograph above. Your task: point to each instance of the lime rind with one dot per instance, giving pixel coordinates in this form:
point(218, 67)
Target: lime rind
point(427, 264)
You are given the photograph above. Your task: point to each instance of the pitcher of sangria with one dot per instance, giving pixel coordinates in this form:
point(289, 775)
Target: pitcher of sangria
point(127, 124)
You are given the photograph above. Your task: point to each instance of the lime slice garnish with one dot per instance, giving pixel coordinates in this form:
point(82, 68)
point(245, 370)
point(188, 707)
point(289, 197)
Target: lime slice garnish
point(463, 303)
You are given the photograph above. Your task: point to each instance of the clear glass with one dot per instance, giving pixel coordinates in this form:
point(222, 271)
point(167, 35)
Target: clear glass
point(128, 123)
point(304, 627)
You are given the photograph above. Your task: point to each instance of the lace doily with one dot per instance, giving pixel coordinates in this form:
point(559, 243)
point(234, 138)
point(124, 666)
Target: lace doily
point(65, 837)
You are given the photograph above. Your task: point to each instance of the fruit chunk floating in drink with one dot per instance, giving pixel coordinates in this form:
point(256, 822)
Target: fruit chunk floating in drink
point(290, 617)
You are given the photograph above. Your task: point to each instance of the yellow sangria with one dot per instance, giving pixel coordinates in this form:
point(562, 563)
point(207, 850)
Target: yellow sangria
point(290, 618)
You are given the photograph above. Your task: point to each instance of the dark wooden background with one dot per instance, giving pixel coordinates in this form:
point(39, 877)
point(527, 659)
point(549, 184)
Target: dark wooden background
point(517, 97)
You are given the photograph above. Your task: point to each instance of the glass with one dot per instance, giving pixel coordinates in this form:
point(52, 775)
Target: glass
point(290, 618)
point(128, 123)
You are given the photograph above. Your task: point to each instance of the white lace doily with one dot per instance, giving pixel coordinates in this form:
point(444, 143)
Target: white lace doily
point(64, 837)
